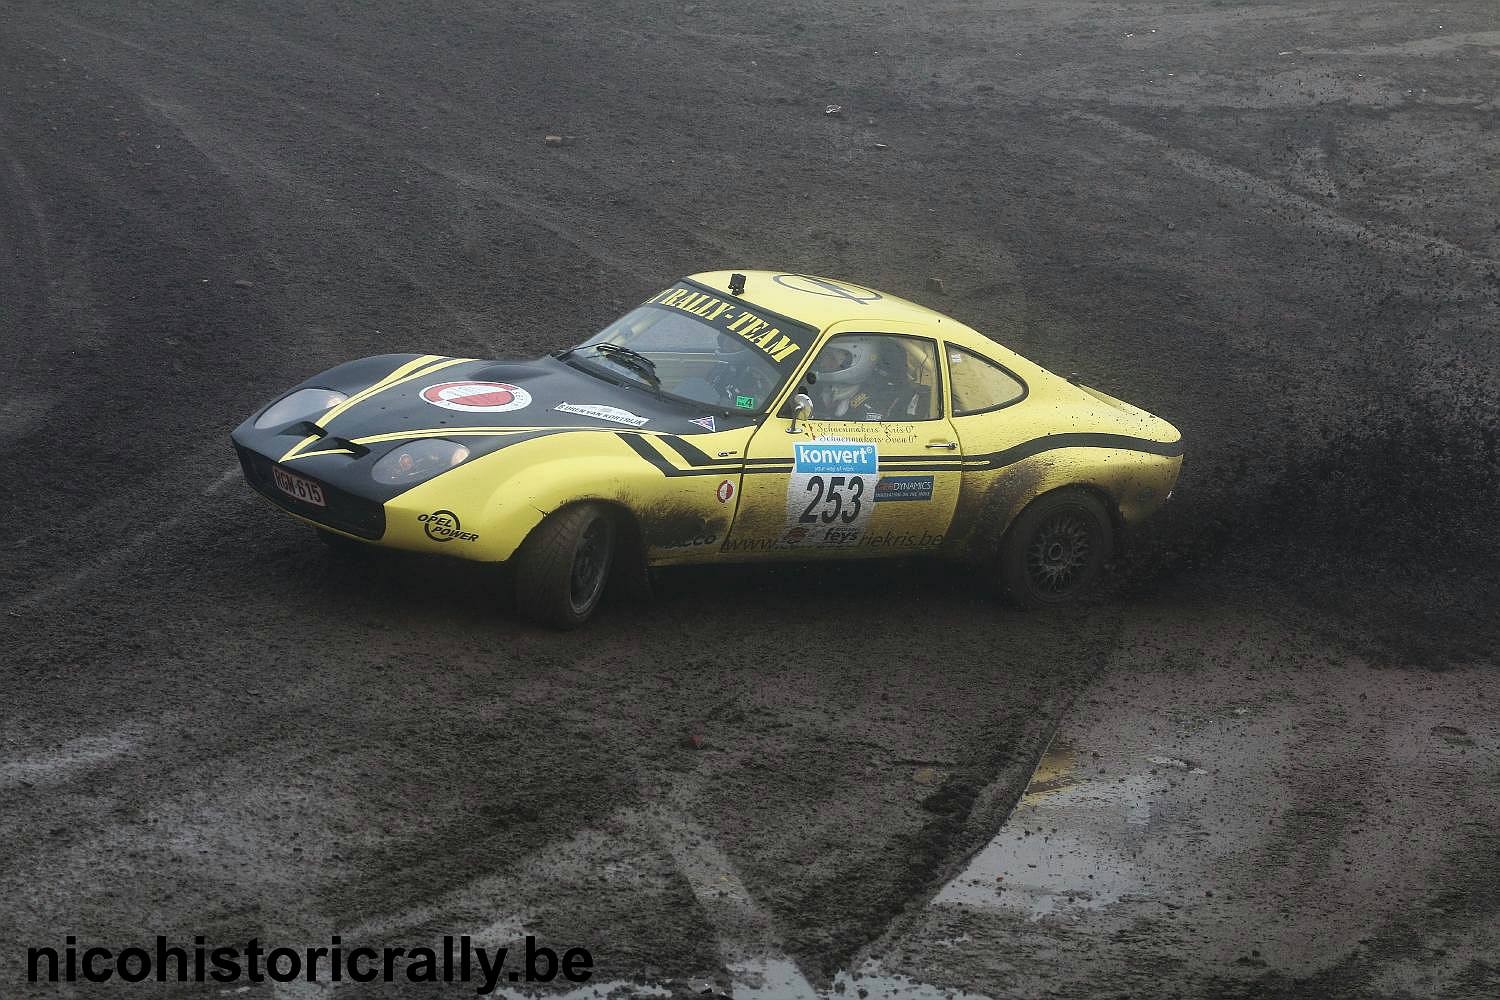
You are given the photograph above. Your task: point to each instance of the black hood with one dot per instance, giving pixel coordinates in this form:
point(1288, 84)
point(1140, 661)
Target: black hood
point(546, 396)
point(552, 394)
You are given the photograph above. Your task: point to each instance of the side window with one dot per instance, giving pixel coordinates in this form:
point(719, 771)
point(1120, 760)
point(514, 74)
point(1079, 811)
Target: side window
point(868, 376)
point(979, 384)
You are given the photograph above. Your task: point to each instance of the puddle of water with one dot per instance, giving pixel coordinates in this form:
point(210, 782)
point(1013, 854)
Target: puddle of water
point(618, 989)
point(770, 979)
point(1065, 847)
point(872, 983)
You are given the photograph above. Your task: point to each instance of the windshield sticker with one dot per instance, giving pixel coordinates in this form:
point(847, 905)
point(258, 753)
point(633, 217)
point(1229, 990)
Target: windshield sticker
point(745, 402)
point(601, 412)
point(903, 488)
point(833, 457)
point(477, 397)
point(735, 318)
point(707, 423)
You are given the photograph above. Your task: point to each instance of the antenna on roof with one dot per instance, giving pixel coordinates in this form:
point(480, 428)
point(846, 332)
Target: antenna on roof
point(736, 284)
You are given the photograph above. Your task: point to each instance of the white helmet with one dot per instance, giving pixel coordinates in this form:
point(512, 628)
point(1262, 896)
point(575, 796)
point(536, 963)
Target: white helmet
point(847, 360)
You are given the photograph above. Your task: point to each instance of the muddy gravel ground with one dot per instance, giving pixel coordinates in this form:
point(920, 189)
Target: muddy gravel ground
point(1273, 224)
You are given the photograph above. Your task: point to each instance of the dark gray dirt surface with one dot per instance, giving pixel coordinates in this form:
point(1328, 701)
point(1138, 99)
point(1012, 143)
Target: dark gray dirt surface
point(1273, 224)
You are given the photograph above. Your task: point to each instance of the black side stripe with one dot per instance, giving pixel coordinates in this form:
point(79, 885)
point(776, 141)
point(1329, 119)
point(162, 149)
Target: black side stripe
point(647, 452)
point(696, 456)
point(666, 468)
point(1054, 442)
point(705, 466)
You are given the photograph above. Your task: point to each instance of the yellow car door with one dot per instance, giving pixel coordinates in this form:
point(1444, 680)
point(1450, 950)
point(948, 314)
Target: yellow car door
point(875, 471)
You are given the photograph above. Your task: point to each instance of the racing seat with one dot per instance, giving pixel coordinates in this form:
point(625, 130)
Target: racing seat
point(912, 402)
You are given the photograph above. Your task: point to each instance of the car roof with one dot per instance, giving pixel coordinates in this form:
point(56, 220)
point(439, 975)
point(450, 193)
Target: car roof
point(822, 302)
point(819, 301)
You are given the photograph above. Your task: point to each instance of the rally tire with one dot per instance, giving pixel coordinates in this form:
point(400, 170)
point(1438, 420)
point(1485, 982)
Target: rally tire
point(1055, 551)
point(562, 567)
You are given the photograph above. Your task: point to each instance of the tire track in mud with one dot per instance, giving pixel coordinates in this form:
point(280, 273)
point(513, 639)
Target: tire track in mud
point(119, 554)
point(747, 939)
point(1310, 214)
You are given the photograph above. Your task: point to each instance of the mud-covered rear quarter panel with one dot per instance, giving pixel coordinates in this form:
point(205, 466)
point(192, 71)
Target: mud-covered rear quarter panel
point(1135, 484)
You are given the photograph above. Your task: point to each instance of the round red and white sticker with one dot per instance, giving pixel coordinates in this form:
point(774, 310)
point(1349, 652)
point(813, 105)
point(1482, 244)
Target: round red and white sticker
point(726, 490)
point(477, 397)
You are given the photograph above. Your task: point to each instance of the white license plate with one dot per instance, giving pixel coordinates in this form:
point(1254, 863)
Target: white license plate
point(297, 487)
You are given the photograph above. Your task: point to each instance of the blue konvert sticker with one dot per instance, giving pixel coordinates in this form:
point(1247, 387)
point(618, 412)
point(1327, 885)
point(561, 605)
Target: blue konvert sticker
point(834, 456)
point(903, 488)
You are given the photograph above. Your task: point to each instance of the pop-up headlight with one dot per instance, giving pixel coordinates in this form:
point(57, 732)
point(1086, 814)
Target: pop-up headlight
point(304, 404)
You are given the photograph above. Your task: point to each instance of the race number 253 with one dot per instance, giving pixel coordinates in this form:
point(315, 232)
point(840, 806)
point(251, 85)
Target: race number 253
point(833, 498)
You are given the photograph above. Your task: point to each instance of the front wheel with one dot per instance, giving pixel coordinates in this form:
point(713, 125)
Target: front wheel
point(1056, 549)
point(563, 565)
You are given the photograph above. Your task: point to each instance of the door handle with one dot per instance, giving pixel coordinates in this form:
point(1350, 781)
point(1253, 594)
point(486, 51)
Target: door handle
point(946, 445)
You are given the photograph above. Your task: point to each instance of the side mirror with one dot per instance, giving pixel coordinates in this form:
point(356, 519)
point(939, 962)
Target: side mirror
point(802, 409)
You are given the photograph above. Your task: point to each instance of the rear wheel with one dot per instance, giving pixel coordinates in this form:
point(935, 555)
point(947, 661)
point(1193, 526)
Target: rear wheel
point(563, 565)
point(1056, 549)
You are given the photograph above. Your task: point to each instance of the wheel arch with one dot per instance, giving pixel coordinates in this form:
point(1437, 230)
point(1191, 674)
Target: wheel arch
point(1104, 496)
point(629, 572)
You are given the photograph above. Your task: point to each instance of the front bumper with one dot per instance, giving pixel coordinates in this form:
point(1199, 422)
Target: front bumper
point(346, 512)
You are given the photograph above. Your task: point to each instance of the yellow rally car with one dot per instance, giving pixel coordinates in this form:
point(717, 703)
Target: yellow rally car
point(732, 417)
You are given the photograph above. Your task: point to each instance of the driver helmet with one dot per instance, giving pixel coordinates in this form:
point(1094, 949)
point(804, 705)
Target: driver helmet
point(847, 360)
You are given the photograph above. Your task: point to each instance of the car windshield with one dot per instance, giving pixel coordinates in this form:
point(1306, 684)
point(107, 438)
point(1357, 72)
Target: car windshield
point(700, 346)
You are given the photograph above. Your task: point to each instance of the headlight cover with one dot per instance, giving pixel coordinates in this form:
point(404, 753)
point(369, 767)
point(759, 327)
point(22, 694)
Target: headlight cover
point(300, 405)
point(419, 460)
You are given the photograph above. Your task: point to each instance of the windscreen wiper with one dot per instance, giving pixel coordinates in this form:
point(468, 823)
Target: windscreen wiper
point(634, 360)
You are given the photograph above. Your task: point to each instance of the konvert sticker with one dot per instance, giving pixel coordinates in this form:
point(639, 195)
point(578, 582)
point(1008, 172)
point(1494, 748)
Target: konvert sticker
point(477, 397)
point(830, 493)
point(830, 456)
point(601, 412)
point(707, 423)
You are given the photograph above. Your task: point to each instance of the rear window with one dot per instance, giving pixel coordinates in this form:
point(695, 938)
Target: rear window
point(980, 384)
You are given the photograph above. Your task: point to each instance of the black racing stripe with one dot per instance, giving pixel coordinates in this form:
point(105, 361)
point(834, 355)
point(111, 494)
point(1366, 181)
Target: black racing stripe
point(1014, 454)
point(1055, 442)
point(696, 456)
point(941, 460)
point(900, 463)
point(647, 452)
point(897, 469)
point(666, 468)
